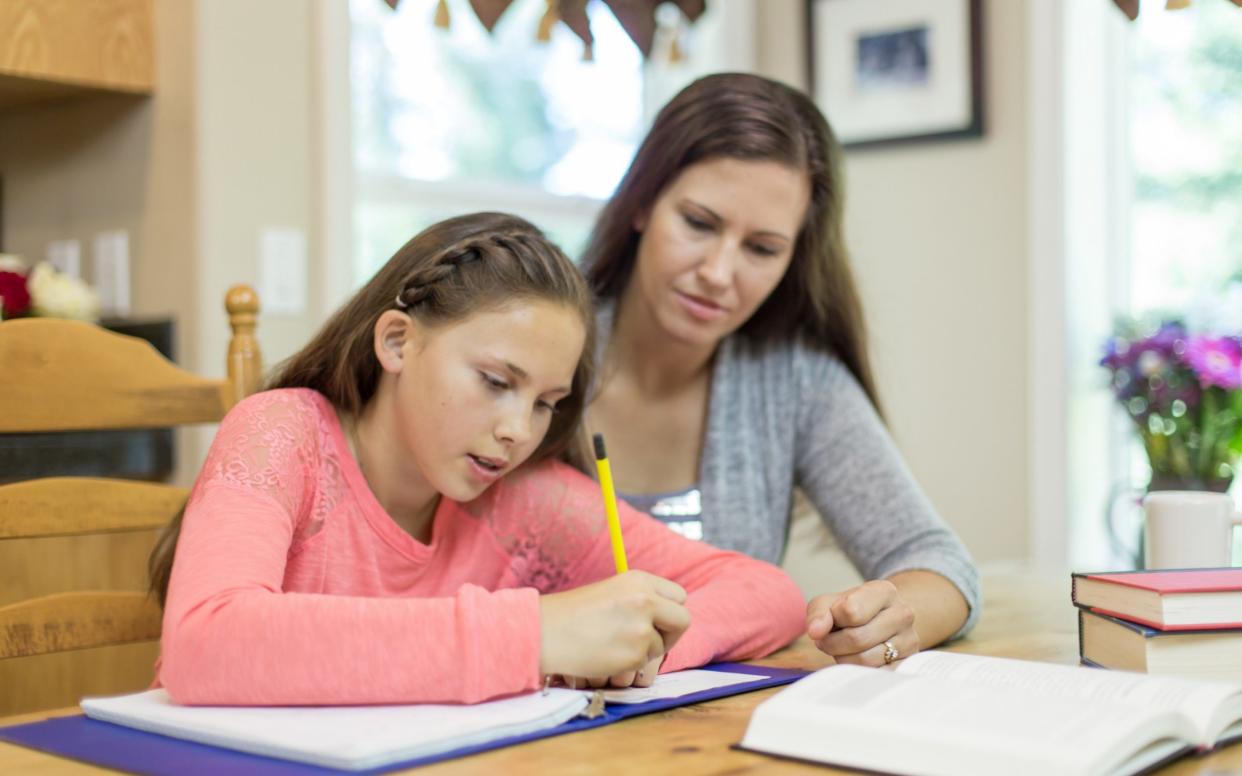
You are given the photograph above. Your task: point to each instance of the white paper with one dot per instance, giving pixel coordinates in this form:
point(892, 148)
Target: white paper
point(677, 684)
point(1199, 700)
point(904, 723)
point(347, 737)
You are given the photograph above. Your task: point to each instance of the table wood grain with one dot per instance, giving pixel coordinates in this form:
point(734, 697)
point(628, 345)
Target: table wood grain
point(1025, 615)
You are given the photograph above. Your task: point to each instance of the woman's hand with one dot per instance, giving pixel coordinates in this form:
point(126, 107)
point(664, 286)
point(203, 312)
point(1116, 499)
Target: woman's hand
point(853, 626)
point(609, 631)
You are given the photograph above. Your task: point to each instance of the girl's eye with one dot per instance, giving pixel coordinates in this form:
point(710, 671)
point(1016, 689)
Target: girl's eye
point(494, 383)
point(546, 406)
point(764, 250)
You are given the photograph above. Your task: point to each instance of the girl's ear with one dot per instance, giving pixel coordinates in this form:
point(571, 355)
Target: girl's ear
point(393, 329)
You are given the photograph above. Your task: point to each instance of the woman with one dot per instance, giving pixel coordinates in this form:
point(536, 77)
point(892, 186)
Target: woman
point(734, 366)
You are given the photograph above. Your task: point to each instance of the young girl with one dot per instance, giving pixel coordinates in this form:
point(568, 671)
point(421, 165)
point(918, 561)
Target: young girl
point(388, 523)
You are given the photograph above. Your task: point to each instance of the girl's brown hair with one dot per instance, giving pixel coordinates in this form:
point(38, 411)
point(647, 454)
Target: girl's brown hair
point(743, 116)
point(448, 272)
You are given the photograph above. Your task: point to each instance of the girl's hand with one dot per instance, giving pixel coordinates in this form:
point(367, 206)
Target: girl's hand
point(853, 626)
point(643, 677)
point(609, 630)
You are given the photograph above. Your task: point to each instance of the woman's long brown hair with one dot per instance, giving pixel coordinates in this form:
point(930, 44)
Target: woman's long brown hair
point(743, 116)
point(448, 272)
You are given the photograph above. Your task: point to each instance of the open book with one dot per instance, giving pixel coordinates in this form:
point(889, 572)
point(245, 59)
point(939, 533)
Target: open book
point(945, 713)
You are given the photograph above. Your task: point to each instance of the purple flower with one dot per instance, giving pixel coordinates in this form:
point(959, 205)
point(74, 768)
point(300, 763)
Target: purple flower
point(1169, 339)
point(1216, 361)
point(1115, 351)
point(1146, 355)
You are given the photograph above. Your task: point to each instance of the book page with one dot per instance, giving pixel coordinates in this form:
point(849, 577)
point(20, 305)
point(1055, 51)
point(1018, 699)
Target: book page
point(677, 684)
point(1209, 705)
point(987, 714)
point(902, 723)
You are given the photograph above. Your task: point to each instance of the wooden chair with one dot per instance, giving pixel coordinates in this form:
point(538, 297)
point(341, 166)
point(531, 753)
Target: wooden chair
point(74, 615)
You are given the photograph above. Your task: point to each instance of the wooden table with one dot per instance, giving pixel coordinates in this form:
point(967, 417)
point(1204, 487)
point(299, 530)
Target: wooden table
point(1025, 615)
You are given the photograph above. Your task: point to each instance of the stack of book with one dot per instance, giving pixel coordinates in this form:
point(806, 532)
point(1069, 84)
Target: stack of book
point(1186, 622)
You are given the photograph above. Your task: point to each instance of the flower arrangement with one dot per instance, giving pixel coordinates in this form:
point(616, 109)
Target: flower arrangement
point(1184, 393)
point(43, 292)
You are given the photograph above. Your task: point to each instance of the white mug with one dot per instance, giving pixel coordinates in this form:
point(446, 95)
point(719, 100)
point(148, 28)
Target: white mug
point(1189, 529)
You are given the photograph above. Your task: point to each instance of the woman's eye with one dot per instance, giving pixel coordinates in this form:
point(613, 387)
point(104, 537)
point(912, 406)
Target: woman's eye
point(764, 250)
point(494, 382)
point(697, 224)
point(546, 406)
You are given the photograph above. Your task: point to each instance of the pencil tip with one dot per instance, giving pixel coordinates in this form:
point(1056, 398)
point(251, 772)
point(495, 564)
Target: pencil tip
point(599, 447)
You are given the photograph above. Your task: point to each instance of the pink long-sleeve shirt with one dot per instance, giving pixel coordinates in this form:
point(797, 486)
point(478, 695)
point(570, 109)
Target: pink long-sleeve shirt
point(292, 585)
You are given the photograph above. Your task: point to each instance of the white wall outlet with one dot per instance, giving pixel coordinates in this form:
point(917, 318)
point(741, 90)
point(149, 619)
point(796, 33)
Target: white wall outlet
point(112, 271)
point(65, 256)
point(282, 271)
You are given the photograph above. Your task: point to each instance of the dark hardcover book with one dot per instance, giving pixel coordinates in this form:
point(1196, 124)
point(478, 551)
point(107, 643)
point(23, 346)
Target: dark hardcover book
point(1112, 642)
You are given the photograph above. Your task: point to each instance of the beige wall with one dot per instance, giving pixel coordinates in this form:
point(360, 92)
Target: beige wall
point(938, 236)
point(253, 94)
point(255, 85)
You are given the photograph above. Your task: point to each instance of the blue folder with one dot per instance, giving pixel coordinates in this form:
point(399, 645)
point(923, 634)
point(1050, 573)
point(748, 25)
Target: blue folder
point(134, 751)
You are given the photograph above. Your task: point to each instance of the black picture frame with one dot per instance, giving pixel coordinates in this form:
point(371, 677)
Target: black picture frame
point(897, 117)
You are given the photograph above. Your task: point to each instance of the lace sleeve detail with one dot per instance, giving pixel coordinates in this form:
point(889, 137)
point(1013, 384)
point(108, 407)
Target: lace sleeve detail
point(550, 519)
point(276, 443)
point(547, 517)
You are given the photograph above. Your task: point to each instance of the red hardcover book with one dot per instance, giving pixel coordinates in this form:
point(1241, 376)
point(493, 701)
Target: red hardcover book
point(1170, 599)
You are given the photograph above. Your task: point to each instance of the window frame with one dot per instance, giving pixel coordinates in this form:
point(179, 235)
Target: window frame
point(1079, 190)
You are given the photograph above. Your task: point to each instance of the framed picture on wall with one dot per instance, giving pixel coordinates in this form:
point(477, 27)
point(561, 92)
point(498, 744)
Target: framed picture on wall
point(897, 71)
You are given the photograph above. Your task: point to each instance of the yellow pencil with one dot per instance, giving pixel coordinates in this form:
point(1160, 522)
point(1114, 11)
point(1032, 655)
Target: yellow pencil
point(610, 505)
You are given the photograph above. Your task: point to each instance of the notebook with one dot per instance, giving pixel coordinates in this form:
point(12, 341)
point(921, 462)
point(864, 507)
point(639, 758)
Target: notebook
point(344, 737)
point(383, 738)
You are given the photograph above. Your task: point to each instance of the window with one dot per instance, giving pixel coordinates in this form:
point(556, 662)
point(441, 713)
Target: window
point(450, 121)
point(1186, 150)
point(1152, 221)
point(1185, 226)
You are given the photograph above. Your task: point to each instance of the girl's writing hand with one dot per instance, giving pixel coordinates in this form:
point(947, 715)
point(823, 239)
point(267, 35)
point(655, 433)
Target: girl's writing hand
point(853, 625)
point(613, 628)
point(644, 677)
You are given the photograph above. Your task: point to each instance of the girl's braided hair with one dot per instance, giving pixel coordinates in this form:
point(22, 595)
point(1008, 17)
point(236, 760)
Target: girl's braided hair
point(474, 263)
